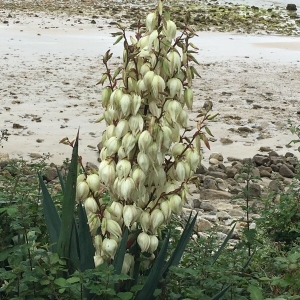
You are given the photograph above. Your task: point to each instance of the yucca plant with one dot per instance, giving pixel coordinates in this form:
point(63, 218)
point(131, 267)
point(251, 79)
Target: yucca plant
point(148, 160)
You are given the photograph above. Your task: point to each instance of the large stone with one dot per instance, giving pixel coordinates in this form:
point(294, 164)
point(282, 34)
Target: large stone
point(213, 161)
point(254, 190)
point(275, 186)
point(231, 172)
point(223, 215)
point(224, 206)
point(236, 212)
point(201, 170)
point(209, 183)
point(291, 7)
point(285, 171)
point(260, 160)
point(216, 155)
point(203, 225)
point(207, 206)
point(214, 194)
point(217, 174)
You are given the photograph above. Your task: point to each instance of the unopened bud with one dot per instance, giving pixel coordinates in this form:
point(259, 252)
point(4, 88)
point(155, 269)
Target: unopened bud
point(143, 241)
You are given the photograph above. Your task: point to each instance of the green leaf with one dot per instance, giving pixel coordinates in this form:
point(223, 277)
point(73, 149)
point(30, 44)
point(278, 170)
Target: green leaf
point(221, 293)
point(60, 282)
point(86, 247)
point(73, 280)
point(118, 40)
point(208, 131)
point(119, 257)
point(155, 273)
point(255, 292)
point(52, 218)
point(215, 257)
point(68, 205)
point(125, 295)
point(61, 180)
point(184, 239)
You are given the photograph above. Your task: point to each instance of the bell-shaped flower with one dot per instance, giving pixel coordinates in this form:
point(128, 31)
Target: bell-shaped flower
point(106, 93)
point(145, 68)
point(151, 21)
point(128, 142)
point(136, 124)
point(138, 176)
point(193, 158)
point(127, 187)
point(117, 208)
point(123, 168)
point(153, 243)
point(90, 206)
point(109, 247)
point(143, 161)
point(93, 181)
point(177, 149)
point(113, 145)
point(175, 62)
point(145, 220)
point(188, 98)
point(170, 30)
point(175, 87)
point(129, 215)
point(174, 109)
point(136, 103)
point(156, 219)
point(98, 260)
point(166, 210)
point(128, 263)
point(122, 128)
point(125, 104)
point(143, 241)
point(148, 79)
point(82, 190)
point(180, 171)
point(175, 204)
point(113, 228)
point(158, 85)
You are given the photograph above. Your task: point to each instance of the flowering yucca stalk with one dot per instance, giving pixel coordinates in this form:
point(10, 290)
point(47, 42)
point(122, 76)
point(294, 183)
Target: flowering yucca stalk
point(147, 159)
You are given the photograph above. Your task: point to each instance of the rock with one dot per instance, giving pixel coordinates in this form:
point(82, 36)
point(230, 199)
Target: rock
point(265, 171)
point(206, 206)
point(289, 154)
point(35, 155)
point(231, 172)
point(275, 168)
point(209, 183)
point(236, 213)
point(273, 154)
point(216, 155)
point(226, 141)
point(237, 165)
point(224, 206)
point(223, 215)
point(217, 175)
point(254, 190)
point(211, 218)
point(291, 7)
point(203, 225)
point(285, 171)
point(201, 170)
point(275, 186)
point(17, 126)
point(234, 159)
point(213, 161)
point(50, 174)
point(234, 189)
point(196, 203)
point(265, 149)
point(210, 194)
point(260, 160)
point(245, 129)
point(292, 160)
point(222, 184)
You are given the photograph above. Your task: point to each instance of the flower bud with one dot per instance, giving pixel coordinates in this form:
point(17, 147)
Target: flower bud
point(188, 98)
point(90, 206)
point(153, 243)
point(183, 119)
point(123, 168)
point(167, 135)
point(193, 159)
point(145, 68)
point(148, 78)
point(113, 145)
point(166, 210)
point(107, 172)
point(136, 124)
point(127, 188)
point(128, 263)
point(80, 178)
point(175, 204)
point(138, 177)
point(106, 93)
point(175, 62)
point(180, 171)
point(175, 87)
point(103, 154)
point(117, 207)
point(145, 220)
point(143, 161)
point(141, 87)
point(136, 103)
point(151, 21)
point(93, 181)
point(174, 109)
point(129, 215)
point(153, 40)
point(82, 190)
point(143, 241)
point(109, 247)
point(115, 98)
point(170, 30)
point(128, 142)
point(158, 85)
point(156, 218)
point(113, 228)
point(177, 149)
point(160, 178)
point(125, 104)
point(98, 260)
point(122, 128)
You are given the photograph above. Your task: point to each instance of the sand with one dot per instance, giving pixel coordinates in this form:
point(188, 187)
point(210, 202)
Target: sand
point(50, 65)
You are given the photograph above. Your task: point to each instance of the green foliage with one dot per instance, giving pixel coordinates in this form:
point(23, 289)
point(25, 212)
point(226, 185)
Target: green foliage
point(3, 136)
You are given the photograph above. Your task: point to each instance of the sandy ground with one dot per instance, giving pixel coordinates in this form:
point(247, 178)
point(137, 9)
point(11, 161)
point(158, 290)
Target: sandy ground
point(49, 67)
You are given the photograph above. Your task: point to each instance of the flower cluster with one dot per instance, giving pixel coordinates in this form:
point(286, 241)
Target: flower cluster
point(147, 160)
